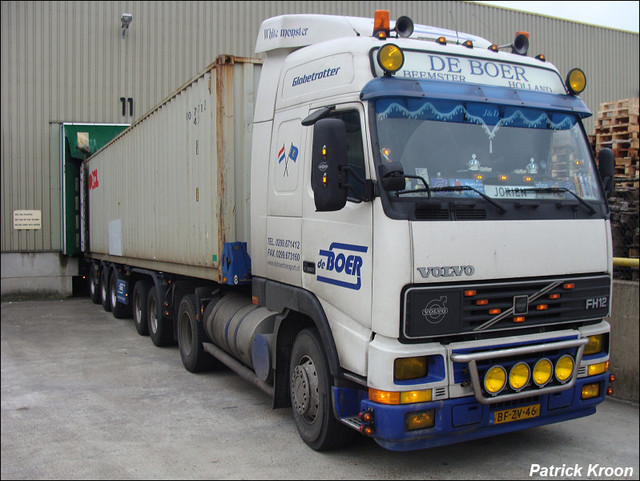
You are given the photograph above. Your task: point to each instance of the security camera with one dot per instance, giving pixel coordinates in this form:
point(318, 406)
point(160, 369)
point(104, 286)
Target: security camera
point(126, 19)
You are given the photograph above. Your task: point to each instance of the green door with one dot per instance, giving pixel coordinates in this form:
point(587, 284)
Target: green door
point(79, 141)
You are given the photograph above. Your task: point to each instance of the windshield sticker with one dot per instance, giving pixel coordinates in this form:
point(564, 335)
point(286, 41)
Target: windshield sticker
point(482, 115)
point(341, 265)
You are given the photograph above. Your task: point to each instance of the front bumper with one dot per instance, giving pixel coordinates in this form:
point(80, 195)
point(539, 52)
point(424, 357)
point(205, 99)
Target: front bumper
point(464, 419)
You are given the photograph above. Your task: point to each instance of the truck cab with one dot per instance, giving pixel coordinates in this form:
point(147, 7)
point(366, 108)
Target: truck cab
point(429, 220)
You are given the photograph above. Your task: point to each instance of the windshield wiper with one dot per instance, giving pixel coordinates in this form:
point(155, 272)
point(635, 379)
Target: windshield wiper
point(557, 190)
point(459, 188)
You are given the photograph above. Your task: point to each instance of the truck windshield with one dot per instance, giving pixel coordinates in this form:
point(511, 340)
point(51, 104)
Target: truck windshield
point(464, 149)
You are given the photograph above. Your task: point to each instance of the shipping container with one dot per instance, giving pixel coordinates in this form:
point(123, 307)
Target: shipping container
point(173, 188)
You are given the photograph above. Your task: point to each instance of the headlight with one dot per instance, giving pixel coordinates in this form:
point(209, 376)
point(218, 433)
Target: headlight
point(410, 368)
point(594, 346)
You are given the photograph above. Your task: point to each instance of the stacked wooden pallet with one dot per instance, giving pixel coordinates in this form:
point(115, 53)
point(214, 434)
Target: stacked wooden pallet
point(617, 128)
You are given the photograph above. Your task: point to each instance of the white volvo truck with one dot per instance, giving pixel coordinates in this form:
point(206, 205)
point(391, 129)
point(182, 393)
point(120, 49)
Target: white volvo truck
point(391, 228)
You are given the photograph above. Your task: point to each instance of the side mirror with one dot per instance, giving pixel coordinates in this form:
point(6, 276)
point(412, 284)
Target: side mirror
point(606, 166)
point(328, 179)
point(391, 176)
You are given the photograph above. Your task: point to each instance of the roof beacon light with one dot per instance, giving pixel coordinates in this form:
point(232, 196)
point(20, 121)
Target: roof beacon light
point(520, 44)
point(381, 24)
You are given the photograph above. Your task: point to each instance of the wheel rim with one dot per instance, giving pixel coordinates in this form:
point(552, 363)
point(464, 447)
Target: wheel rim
point(185, 334)
point(114, 297)
point(137, 312)
point(92, 283)
point(153, 316)
point(304, 389)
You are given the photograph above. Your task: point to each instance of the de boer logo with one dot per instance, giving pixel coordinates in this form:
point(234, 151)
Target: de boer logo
point(341, 265)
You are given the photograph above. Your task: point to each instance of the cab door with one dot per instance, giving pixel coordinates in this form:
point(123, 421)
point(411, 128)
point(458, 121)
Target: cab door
point(337, 248)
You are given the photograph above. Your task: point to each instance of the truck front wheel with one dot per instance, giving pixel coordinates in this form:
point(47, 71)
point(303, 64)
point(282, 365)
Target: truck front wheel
point(310, 390)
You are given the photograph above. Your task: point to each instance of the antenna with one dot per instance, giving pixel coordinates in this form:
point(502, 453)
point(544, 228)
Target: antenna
point(454, 26)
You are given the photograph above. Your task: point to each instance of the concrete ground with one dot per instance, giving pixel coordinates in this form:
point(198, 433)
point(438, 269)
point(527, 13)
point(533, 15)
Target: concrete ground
point(84, 396)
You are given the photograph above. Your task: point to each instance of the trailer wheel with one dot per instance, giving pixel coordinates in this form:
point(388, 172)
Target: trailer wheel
point(119, 310)
point(159, 327)
point(310, 390)
point(104, 288)
point(190, 337)
point(94, 285)
point(140, 313)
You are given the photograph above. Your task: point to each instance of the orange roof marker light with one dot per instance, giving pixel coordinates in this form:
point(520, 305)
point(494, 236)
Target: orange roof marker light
point(381, 26)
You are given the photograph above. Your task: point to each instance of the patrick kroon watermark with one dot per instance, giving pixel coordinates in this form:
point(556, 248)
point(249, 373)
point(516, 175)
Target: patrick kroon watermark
point(575, 470)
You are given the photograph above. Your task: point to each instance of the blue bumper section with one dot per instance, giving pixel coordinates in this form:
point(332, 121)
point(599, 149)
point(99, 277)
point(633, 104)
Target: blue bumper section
point(464, 419)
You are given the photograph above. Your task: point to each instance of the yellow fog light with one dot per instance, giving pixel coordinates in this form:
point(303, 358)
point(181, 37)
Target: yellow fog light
point(390, 58)
point(519, 376)
point(410, 368)
point(542, 372)
point(594, 346)
point(415, 396)
point(420, 420)
point(564, 368)
point(576, 81)
point(495, 379)
point(590, 391)
point(598, 368)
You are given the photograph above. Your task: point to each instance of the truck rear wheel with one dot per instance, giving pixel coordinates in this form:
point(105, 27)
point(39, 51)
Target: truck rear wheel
point(140, 315)
point(159, 327)
point(190, 337)
point(104, 288)
point(118, 309)
point(94, 285)
point(310, 390)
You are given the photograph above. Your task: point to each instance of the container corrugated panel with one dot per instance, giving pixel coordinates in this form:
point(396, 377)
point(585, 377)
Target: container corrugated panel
point(173, 188)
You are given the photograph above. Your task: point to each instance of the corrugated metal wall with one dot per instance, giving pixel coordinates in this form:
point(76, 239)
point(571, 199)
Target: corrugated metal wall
point(68, 62)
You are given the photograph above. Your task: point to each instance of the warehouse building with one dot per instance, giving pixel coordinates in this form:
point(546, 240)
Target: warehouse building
point(74, 74)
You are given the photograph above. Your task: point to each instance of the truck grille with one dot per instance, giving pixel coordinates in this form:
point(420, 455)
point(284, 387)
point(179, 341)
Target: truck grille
point(485, 307)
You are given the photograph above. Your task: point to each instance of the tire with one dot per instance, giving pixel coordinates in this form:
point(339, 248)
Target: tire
point(139, 305)
point(190, 337)
point(119, 310)
point(160, 330)
point(94, 285)
point(310, 392)
point(104, 288)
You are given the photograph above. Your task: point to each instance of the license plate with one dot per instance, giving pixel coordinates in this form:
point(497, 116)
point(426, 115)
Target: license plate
point(516, 414)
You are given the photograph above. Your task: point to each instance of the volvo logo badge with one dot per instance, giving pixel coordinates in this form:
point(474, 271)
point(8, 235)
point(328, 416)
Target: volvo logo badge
point(520, 305)
point(436, 310)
